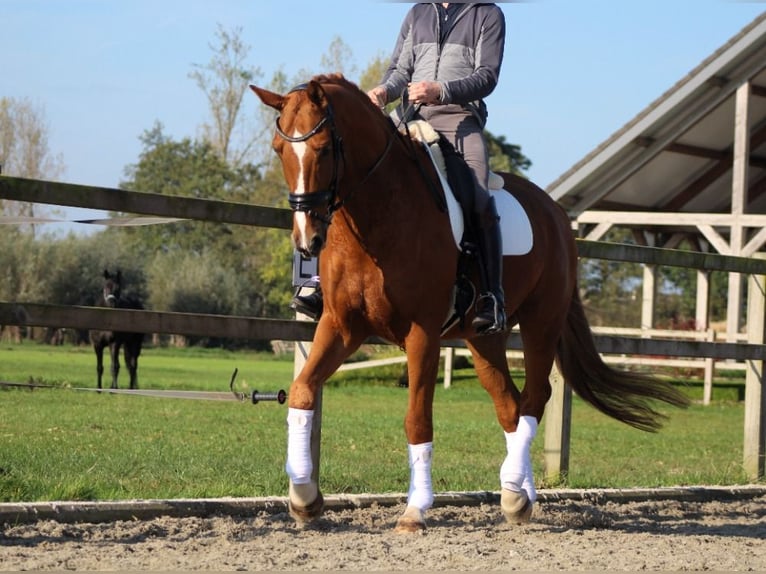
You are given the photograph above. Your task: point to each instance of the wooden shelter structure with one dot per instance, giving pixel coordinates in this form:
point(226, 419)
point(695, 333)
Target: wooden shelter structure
point(692, 165)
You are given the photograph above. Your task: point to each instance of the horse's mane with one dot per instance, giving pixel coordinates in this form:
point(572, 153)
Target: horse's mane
point(338, 79)
point(334, 78)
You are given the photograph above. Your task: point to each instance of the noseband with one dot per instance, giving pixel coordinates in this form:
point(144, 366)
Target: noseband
point(309, 202)
point(110, 297)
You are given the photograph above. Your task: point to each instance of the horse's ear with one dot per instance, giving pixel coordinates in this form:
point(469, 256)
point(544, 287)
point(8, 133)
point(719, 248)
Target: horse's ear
point(106, 274)
point(271, 99)
point(118, 277)
point(315, 92)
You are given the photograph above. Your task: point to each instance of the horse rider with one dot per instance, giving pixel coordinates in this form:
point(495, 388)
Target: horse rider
point(448, 56)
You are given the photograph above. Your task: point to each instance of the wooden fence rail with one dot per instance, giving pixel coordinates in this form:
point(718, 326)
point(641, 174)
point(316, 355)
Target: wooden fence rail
point(119, 200)
point(193, 324)
point(254, 328)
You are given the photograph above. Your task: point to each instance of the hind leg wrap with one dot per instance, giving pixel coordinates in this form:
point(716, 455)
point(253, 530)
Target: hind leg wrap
point(516, 471)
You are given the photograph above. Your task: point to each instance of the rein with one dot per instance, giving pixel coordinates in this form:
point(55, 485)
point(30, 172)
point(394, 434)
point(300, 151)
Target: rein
point(309, 202)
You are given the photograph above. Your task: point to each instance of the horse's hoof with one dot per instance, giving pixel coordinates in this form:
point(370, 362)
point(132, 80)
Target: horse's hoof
point(309, 513)
point(516, 506)
point(411, 522)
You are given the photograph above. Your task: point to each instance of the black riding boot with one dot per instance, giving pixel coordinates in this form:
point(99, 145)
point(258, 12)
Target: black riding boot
point(490, 306)
point(311, 305)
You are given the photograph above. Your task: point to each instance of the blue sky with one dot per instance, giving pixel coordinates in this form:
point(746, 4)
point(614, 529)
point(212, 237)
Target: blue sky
point(575, 71)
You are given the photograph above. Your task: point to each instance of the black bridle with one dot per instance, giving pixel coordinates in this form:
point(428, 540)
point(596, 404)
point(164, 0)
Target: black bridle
point(310, 202)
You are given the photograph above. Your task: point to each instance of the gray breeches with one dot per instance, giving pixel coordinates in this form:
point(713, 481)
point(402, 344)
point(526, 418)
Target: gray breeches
point(462, 129)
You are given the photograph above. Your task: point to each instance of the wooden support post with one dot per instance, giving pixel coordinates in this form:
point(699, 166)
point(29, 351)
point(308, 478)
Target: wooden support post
point(449, 360)
point(702, 306)
point(649, 297)
point(649, 285)
point(754, 450)
point(702, 321)
point(707, 393)
point(558, 423)
point(739, 182)
point(302, 348)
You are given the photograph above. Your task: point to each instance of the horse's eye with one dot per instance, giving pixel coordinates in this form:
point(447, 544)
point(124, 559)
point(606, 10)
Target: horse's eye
point(324, 151)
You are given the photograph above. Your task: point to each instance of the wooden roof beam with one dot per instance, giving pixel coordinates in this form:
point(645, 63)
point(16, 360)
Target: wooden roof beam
point(698, 151)
point(756, 190)
point(697, 186)
point(718, 169)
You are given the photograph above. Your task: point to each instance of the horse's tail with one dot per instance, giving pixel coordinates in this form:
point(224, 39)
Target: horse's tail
point(622, 395)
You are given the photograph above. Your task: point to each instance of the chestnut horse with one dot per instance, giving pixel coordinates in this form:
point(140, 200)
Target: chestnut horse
point(368, 198)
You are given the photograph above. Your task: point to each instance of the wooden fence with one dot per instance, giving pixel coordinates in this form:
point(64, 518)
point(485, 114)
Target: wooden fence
point(752, 353)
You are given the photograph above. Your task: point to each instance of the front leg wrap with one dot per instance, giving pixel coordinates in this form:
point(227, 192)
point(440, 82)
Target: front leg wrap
point(299, 466)
point(421, 494)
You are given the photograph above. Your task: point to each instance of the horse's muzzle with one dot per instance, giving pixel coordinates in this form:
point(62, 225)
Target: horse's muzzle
point(314, 247)
point(309, 233)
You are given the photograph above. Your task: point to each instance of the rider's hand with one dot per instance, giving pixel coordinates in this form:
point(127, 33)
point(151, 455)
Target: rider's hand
point(378, 96)
point(425, 92)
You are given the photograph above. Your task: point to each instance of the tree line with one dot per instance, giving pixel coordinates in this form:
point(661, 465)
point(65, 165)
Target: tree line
point(205, 267)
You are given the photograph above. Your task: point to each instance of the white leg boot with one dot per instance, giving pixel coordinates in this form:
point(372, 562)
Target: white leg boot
point(421, 495)
point(518, 493)
point(306, 501)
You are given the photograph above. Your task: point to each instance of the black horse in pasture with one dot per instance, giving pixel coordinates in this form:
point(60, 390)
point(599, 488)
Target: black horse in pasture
point(131, 342)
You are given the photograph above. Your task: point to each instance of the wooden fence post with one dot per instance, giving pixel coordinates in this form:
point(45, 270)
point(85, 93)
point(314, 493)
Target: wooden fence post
point(754, 451)
point(558, 423)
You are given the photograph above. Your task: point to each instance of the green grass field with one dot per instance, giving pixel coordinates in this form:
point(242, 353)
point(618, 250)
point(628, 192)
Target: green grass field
point(65, 444)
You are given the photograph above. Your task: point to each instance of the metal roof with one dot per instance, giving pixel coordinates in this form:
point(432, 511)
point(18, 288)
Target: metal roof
point(676, 155)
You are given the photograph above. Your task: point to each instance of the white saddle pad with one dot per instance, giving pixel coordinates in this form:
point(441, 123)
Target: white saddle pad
point(517, 230)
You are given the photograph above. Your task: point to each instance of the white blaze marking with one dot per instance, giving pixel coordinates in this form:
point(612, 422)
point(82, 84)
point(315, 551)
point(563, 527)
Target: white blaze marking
point(299, 148)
